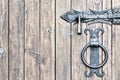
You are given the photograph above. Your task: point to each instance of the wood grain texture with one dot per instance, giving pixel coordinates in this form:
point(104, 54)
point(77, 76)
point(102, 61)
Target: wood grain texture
point(16, 39)
point(32, 39)
point(39, 45)
point(62, 41)
point(47, 39)
point(4, 39)
point(115, 46)
point(78, 42)
point(107, 43)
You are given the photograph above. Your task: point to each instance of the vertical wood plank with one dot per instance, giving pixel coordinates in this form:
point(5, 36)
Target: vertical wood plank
point(94, 5)
point(47, 38)
point(62, 41)
point(16, 39)
point(115, 46)
point(107, 43)
point(4, 39)
point(78, 42)
point(32, 40)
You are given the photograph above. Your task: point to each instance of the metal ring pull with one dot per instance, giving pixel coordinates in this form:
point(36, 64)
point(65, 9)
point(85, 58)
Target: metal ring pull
point(94, 53)
point(94, 66)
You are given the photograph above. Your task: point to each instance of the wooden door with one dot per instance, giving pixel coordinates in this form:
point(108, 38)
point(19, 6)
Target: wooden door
point(39, 45)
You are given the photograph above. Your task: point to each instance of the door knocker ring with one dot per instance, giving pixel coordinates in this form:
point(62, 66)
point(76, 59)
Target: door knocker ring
point(94, 53)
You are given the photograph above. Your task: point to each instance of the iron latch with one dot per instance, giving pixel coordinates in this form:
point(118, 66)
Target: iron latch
point(111, 16)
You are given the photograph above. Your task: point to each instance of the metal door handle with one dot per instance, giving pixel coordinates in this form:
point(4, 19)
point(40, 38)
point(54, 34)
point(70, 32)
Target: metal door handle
point(94, 53)
point(90, 65)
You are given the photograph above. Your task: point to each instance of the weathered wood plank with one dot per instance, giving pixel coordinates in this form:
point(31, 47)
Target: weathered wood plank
point(4, 39)
point(16, 39)
point(78, 42)
point(115, 46)
point(62, 41)
point(32, 53)
point(47, 38)
point(94, 5)
point(107, 43)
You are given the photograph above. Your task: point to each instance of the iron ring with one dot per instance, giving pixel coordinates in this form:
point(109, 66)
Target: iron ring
point(96, 66)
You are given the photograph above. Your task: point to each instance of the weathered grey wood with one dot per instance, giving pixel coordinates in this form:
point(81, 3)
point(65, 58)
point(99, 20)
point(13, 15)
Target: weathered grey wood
point(32, 39)
point(52, 49)
point(107, 43)
point(4, 39)
point(115, 46)
point(16, 39)
point(62, 41)
point(47, 39)
point(78, 42)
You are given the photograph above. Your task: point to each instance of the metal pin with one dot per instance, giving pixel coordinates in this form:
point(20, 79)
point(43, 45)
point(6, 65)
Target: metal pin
point(79, 25)
point(1, 51)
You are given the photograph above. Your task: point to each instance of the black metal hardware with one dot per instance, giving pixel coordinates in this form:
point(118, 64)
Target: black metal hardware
point(79, 26)
point(94, 53)
point(111, 16)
